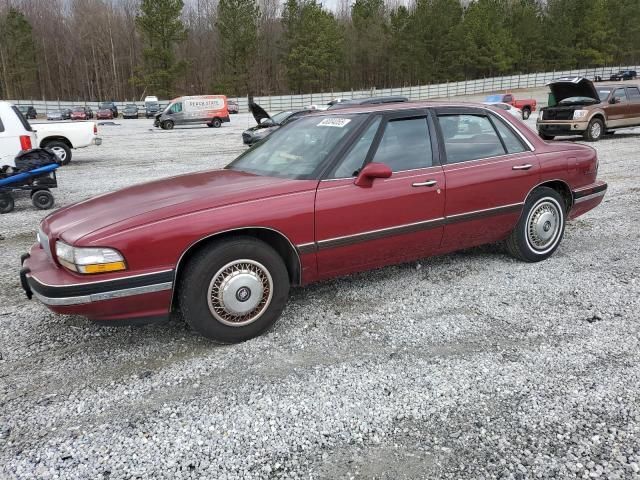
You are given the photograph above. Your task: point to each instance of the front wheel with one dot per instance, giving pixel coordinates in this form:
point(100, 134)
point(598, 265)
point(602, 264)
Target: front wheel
point(540, 227)
point(62, 151)
point(594, 130)
point(167, 125)
point(233, 290)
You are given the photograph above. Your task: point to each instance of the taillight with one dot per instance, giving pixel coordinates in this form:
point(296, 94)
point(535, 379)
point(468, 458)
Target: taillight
point(25, 142)
point(95, 129)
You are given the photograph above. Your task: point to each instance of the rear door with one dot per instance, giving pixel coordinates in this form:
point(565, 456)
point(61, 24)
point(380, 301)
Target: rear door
point(489, 170)
point(395, 219)
point(633, 93)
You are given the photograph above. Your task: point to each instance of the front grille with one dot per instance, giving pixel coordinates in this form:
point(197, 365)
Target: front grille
point(558, 114)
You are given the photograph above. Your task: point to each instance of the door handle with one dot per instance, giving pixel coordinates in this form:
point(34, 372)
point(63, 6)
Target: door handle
point(526, 166)
point(428, 183)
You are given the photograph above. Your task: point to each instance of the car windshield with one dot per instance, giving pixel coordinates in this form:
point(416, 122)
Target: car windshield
point(578, 100)
point(493, 98)
point(297, 150)
point(603, 93)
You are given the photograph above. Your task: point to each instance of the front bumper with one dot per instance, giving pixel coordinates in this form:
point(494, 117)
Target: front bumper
point(119, 297)
point(562, 127)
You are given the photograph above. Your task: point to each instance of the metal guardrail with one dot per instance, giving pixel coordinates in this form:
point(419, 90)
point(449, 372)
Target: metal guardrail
point(422, 92)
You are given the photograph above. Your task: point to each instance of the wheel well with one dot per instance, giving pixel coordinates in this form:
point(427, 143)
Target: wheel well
point(273, 238)
point(563, 189)
point(601, 117)
point(48, 140)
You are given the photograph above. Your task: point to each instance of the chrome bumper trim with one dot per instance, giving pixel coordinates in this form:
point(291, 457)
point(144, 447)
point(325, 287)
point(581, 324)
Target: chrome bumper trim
point(97, 297)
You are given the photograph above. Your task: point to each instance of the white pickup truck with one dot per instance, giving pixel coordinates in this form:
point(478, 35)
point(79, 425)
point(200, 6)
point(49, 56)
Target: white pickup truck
point(61, 137)
point(15, 134)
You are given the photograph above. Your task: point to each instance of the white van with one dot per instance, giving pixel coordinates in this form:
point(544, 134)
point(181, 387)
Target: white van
point(15, 134)
point(209, 109)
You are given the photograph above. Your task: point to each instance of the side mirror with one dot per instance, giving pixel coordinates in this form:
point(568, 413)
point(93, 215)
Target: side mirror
point(614, 100)
point(370, 172)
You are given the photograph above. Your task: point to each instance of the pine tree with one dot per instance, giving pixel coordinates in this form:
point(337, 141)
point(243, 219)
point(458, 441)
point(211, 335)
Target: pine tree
point(18, 64)
point(160, 24)
point(237, 24)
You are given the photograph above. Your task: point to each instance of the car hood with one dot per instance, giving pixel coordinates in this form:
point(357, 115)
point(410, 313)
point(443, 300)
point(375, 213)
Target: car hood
point(110, 213)
point(573, 87)
point(258, 112)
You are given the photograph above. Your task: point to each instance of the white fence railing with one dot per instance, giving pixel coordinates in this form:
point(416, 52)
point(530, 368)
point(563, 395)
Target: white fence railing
point(441, 90)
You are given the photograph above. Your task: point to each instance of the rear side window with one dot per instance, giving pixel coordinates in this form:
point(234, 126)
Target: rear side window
point(634, 93)
point(511, 141)
point(469, 137)
point(405, 145)
point(23, 120)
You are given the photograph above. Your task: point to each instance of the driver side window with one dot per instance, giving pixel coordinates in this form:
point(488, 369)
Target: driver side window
point(176, 107)
point(620, 95)
point(353, 160)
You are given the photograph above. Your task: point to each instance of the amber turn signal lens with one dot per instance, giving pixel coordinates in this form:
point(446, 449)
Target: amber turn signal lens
point(102, 267)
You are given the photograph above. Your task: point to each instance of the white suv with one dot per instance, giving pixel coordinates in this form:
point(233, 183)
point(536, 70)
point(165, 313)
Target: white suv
point(15, 134)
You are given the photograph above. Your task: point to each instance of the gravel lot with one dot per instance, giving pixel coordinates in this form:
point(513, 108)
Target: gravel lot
point(471, 365)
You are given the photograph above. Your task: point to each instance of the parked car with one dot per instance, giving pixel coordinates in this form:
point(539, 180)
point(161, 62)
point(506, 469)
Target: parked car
point(623, 75)
point(130, 111)
point(109, 106)
point(55, 115)
point(28, 111)
point(267, 124)
point(66, 113)
point(208, 109)
point(578, 107)
point(62, 137)
point(516, 112)
point(527, 105)
point(16, 134)
point(151, 106)
point(233, 106)
point(81, 113)
point(104, 114)
point(330, 194)
point(365, 101)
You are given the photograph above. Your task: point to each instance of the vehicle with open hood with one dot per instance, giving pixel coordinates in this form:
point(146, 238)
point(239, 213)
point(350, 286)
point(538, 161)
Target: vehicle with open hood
point(578, 107)
point(266, 124)
point(330, 194)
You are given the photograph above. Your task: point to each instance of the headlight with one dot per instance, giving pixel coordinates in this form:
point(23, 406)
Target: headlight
point(578, 114)
point(89, 260)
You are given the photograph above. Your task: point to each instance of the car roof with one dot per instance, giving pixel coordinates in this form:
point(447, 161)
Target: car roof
point(399, 107)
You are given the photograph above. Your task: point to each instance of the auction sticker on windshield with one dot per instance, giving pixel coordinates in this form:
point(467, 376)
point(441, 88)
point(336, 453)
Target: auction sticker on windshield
point(334, 122)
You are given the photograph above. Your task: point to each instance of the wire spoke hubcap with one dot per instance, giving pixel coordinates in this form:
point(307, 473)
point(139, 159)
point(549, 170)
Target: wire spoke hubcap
point(240, 292)
point(543, 225)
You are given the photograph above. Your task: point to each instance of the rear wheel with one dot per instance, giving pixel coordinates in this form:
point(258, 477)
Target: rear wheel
point(62, 151)
point(540, 227)
point(234, 290)
point(42, 199)
point(6, 203)
point(526, 113)
point(594, 130)
point(215, 123)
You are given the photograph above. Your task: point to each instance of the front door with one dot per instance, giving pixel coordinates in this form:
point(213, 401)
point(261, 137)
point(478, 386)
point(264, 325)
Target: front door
point(617, 112)
point(393, 220)
point(489, 170)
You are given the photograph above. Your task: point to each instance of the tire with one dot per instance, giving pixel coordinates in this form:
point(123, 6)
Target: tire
point(246, 266)
point(167, 125)
point(61, 149)
point(526, 113)
point(594, 131)
point(540, 228)
point(544, 136)
point(216, 123)
point(6, 203)
point(42, 199)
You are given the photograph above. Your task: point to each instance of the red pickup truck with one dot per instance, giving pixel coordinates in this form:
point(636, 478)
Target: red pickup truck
point(527, 106)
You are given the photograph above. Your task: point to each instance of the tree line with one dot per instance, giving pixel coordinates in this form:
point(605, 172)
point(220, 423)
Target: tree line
point(126, 49)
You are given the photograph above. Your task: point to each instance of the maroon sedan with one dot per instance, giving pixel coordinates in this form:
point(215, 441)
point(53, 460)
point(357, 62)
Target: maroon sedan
point(330, 194)
point(104, 114)
point(79, 113)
